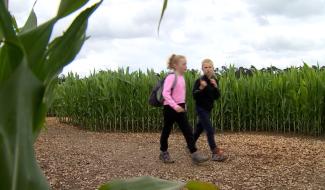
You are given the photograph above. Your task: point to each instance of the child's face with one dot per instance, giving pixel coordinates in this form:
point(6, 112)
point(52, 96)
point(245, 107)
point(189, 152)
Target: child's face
point(208, 69)
point(181, 66)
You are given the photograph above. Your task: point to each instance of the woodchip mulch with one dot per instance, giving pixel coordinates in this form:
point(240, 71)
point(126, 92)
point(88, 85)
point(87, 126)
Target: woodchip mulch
point(76, 159)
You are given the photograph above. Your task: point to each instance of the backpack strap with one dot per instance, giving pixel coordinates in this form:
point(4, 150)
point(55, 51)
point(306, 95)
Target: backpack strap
point(174, 83)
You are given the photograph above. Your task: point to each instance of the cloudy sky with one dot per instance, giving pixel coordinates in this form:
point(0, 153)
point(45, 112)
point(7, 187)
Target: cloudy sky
point(240, 32)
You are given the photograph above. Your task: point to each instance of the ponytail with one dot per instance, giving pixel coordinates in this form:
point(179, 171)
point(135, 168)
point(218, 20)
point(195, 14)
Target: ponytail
point(170, 63)
point(173, 60)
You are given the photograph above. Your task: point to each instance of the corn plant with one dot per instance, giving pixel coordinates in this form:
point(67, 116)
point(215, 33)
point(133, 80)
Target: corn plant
point(291, 101)
point(29, 65)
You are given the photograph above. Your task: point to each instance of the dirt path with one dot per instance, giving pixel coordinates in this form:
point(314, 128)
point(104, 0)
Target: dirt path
point(75, 159)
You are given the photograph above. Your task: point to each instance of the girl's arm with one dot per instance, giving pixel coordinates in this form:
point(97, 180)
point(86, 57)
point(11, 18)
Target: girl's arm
point(167, 91)
point(216, 90)
point(196, 89)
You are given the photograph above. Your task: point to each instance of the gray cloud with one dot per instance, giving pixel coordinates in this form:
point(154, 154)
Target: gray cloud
point(133, 19)
point(281, 43)
point(251, 32)
point(287, 8)
point(262, 20)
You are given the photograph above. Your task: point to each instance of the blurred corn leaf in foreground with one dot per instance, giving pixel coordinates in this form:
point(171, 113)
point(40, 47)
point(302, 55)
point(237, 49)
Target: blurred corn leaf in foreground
point(142, 183)
point(198, 185)
point(150, 183)
point(29, 65)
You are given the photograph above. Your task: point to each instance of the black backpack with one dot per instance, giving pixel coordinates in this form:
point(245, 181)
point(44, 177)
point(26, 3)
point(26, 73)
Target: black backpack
point(156, 98)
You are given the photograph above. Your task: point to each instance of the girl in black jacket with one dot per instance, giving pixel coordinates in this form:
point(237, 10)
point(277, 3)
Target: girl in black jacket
point(205, 92)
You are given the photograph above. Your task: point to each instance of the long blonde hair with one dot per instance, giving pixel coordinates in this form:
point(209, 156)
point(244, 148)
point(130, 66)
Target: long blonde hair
point(173, 60)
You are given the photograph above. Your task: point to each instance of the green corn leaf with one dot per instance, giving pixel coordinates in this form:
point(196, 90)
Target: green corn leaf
point(14, 23)
point(35, 43)
point(65, 48)
point(21, 96)
point(24, 98)
point(142, 183)
point(162, 13)
point(6, 3)
point(198, 185)
point(69, 6)
point(10, 57)
point(31, 22)
point(11, 53)
point(6, 27)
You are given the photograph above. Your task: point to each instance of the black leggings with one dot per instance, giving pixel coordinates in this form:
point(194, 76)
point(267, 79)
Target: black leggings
point(170, 117)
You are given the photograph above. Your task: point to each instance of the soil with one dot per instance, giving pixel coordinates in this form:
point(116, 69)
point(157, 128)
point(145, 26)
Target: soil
point(72, 158)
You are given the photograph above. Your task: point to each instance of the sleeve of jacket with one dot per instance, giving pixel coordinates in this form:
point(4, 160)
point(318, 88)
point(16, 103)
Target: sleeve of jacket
point(167, 91)
point(197, 92)
point(216, 92)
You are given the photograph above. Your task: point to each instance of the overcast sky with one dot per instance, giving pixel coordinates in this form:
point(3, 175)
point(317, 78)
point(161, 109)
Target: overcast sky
point(240, 32)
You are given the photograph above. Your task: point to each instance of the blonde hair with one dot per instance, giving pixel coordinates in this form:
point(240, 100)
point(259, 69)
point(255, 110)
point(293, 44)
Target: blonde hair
point(208, 61)
point(173, 60)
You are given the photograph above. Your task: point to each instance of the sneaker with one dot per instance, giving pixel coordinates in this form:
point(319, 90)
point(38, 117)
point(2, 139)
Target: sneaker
point(198, 158)
point(218, 155)
point(165, 157)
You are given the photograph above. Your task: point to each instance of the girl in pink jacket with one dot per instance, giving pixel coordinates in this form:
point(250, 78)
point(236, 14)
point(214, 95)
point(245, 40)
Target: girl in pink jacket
point(175, 110)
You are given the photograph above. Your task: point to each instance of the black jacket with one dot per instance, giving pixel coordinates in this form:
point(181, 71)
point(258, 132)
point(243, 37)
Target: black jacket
point(205, 98)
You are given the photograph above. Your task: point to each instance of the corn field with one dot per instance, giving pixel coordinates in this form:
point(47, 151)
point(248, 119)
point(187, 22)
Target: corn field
point(288, 101)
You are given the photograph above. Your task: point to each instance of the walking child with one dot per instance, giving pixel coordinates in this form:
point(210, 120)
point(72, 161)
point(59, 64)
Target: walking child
point(205, 92)
point(175, 110)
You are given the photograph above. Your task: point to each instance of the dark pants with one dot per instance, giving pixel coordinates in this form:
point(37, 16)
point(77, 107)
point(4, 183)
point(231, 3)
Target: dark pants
point(170, 117)
point(204, 123)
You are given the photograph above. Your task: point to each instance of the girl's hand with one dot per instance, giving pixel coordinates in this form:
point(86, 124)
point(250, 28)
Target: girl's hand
point(214, 82)
point(180, 109)
point(203, 84)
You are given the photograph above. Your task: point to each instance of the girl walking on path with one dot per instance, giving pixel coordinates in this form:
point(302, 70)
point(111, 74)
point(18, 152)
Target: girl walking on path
point(205, 92)
point(175, 110)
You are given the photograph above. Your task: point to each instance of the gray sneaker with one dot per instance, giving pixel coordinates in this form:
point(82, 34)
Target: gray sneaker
point(198, 158)
point(165, 157)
